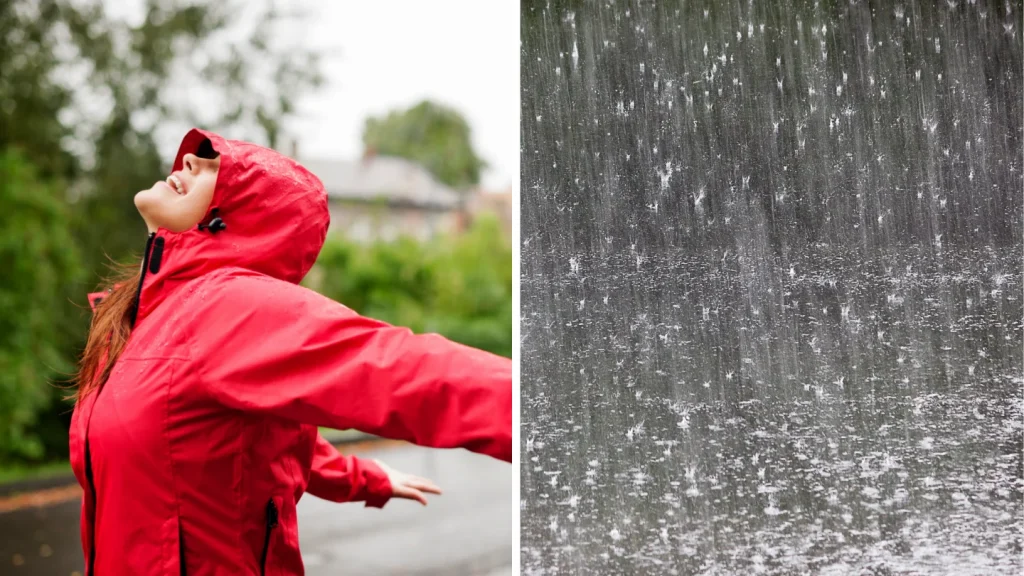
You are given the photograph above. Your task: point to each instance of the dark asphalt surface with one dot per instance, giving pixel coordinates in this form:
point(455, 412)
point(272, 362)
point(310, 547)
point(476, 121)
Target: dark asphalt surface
point(471, 529)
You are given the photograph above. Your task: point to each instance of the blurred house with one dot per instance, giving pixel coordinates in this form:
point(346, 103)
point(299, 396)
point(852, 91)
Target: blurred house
point(382, 197)
point(486, 202)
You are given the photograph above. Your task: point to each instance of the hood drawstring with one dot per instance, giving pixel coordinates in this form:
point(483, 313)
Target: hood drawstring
point(216, 223)
point(151, 263)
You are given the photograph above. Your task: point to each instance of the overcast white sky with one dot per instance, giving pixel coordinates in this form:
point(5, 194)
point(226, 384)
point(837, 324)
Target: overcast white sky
point(394, 53)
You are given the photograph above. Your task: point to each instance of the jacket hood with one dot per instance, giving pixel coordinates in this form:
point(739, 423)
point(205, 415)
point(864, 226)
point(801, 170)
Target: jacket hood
point(275, 219)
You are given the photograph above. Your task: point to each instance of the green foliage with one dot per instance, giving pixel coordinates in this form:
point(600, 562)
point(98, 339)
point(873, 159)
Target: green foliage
point(432, 135)
point(39, 258)
point(83, 97)
point(19, 472)
point(458, 286)
point(84, 94)
point(30, 98)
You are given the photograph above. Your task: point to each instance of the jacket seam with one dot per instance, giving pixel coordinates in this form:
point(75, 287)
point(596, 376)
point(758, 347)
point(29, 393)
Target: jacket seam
point(136, 358)
point(240, 478)
point(170, 461)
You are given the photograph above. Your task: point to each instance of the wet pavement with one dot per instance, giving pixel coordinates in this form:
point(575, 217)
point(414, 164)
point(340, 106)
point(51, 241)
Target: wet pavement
point(471, 529)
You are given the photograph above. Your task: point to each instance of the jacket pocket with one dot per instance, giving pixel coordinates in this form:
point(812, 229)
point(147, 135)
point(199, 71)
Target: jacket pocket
point(271, 522)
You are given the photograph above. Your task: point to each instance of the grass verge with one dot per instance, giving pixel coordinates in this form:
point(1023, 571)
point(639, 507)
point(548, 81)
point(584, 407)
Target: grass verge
point(23, 472)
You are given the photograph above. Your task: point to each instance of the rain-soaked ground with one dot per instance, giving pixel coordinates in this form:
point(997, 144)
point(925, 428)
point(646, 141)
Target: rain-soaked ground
point(772, 288)
point(845, 413)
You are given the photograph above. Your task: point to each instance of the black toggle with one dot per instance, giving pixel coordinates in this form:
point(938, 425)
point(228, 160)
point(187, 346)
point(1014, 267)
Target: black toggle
point(216, 224)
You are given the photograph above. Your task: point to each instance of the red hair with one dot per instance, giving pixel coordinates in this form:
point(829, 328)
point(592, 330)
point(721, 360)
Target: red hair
point(108, 333)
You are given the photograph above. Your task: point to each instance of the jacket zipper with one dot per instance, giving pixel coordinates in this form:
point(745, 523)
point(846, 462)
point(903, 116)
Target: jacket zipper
point(271, 524)
point(142, 276)
point(92, 501)
point(181, 550)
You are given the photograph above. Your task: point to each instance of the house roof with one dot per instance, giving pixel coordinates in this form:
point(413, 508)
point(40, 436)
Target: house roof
point(391, 179)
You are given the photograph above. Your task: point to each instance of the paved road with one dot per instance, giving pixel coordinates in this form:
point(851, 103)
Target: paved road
point(471, 529)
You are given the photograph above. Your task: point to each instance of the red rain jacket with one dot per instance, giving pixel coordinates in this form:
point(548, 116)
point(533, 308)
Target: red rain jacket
point(195, 452)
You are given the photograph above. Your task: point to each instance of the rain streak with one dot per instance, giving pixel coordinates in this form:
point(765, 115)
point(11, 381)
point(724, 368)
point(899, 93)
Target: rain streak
point(771, 287)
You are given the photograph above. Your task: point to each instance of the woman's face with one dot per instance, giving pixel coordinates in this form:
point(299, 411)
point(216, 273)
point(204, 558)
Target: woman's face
point(180, 202)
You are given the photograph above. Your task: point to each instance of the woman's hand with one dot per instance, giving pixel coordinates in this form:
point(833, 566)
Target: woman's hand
point(408, 486)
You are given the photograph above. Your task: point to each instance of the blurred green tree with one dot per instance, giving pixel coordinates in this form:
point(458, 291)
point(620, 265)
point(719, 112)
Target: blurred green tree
point(85, 94)
point(39, 259)
point(432, 135)
point(86, 98)
point(31, 98)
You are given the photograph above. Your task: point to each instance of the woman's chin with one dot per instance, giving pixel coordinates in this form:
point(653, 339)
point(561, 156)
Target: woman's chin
point(150, 200)
point(162, 207)
point(154, 207)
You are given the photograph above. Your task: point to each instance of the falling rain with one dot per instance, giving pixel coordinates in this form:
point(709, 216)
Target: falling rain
point(772, 287)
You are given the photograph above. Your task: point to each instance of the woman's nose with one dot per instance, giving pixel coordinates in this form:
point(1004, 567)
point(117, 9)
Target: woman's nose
point(190, 163)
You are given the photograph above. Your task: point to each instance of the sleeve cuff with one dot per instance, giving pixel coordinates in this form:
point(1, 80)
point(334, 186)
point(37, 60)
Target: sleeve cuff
point(378, 487)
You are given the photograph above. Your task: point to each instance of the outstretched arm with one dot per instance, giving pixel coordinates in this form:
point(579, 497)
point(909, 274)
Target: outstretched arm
point(340, 478)
point(275, 348)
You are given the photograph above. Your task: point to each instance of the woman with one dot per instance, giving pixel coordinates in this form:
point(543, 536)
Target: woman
point(207, 373)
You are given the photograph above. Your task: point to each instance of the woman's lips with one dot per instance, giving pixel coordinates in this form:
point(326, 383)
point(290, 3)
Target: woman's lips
point(176, 184)
point(169, 187)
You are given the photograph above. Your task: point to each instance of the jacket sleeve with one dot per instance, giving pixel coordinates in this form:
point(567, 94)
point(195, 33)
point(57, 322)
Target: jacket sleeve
point(340, 478)
point(265, 346)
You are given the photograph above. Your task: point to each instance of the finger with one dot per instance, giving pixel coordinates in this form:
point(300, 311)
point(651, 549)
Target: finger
point(418, 496)
point(425, 486)
point(408, 493)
